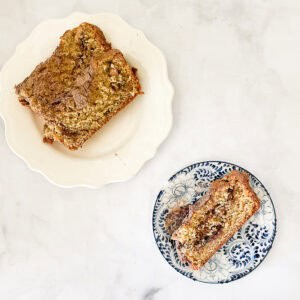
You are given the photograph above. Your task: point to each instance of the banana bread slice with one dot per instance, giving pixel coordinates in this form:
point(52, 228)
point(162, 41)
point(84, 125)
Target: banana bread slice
point(212, 221)
point(80, 87)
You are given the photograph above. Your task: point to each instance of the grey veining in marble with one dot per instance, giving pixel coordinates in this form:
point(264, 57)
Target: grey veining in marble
point(235, 68)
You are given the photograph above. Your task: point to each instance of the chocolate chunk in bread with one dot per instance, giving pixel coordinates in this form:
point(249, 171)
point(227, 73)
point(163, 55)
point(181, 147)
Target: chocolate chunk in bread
point(175, 217)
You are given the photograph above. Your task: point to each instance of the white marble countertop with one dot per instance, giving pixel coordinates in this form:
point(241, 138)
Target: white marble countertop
point(235, 69)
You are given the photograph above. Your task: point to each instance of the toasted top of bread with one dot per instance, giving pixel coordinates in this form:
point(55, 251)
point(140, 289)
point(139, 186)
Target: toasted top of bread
point(80, 87)
point(213, 220)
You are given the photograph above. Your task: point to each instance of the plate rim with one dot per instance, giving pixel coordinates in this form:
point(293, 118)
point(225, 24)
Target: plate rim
point(92, 182)
point(263, 186)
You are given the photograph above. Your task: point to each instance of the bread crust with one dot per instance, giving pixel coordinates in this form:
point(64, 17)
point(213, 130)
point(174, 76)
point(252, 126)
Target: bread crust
point(207, 250)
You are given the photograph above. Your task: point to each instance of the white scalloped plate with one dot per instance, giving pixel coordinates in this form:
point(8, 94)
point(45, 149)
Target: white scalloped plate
point(116, 152)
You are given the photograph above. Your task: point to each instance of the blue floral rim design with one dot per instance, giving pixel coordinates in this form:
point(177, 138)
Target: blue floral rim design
point(244, 252)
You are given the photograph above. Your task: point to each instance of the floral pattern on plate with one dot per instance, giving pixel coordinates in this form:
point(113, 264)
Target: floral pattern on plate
point(243, 252)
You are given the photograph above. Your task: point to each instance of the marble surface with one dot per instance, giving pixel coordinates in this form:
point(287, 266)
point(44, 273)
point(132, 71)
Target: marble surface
point(235, 69)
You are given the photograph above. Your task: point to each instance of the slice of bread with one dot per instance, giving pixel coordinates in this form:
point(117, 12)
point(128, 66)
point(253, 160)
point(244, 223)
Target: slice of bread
point(80, 87)
point(213, 220)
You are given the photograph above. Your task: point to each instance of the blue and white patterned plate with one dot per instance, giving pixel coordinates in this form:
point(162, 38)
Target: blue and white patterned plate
point(243, 252)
